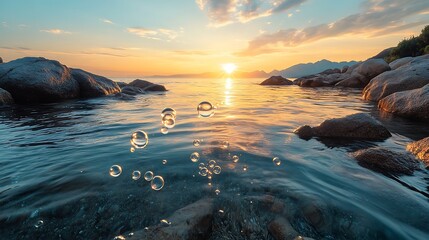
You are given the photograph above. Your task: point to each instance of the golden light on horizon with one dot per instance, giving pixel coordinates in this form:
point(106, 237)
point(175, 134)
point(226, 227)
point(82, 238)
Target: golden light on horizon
point(229, 67)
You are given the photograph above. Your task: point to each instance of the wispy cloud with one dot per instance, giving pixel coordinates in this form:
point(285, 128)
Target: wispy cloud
point(86, 52)
point(224, 12)
point(192, 52)
point(155, 34)
point(105, 20)
point(56, 31)
point(377, 17)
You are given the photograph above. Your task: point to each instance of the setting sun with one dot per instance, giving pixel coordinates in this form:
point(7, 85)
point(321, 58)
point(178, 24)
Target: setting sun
point(229, 67)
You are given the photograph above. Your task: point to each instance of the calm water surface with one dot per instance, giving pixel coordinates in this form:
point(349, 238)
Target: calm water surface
point(55, 162)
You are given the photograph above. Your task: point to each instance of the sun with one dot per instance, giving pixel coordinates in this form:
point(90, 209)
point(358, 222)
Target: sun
point(229, 67)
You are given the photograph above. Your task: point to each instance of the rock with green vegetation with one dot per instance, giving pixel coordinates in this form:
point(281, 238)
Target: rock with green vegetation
point(411, 47)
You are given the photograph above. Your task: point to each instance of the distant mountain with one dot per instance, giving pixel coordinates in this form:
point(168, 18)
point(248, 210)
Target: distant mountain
point(304, 69)
point(238, 74)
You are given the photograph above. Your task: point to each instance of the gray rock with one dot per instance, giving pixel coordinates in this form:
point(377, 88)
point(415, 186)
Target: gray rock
point(344, 69)
point(277, 80)
point(363, 72)
point(32, 80)
point(420, 149)
point(191, 222)
point(411, 104)
point(121, 84)
point(147, 86)
point(319, 80)
point(92, 85)
point(412, 75)
point(1, 60)
point(386, 162)
point(383, 53)
point(316, 213)
point(5, 97)
point(131, 90)
point(355, 126)
point(400, 62)
point(355, 80)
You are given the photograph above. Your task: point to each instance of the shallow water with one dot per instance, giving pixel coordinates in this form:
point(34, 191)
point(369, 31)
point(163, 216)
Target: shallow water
point(55, 162)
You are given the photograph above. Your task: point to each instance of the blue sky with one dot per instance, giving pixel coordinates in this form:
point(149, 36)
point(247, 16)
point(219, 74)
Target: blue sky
point(135, 38)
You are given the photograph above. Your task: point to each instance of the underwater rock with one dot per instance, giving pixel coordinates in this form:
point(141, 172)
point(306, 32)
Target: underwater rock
point(191, 222)
point(315, 213)
point(276, 80)
point(420, 149)
point(5, 97)
point(385, 161)
point(355, 126)
point(281, 229)
point(268, 202)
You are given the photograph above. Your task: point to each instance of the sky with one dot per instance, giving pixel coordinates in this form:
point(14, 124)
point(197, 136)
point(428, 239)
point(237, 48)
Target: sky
point(133, 38)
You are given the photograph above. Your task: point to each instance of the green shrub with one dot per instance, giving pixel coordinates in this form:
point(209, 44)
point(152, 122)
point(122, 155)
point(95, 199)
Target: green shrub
point(411, 47)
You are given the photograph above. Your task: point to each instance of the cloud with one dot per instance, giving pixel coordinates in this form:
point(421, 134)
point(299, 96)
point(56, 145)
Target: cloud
point(192, 52)
point(224, 12)
point(158, 34)
point(55, 31)
point(88, 52)
point(105, 20)
point(378, 17)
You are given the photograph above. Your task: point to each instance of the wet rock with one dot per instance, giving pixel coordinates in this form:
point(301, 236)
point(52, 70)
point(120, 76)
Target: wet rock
point(318, 80)
point(32, 80)
point(1, 60)
point(147, 86)
point(5, 97)
point(277, 80)
point(92, 85)
point(355, 126)
point(281, 229)
point(420, 149)
point(411, 104)
point(400, 62)
point(131, 90)
point(412, 75)
point(121, 84)
point(124, 96)
point(191, 222)
point(360, 76)
point(385, 161)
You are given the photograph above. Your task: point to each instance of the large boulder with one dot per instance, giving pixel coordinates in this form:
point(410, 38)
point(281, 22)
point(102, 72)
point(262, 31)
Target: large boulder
point(191, 222)
point(412, 75)
point(355, 80)
point(355, 126)
point(34, 79)
point(420, 149)
point(362, 73)
point(386, 162)
point(400, 62)
point(410, 104)
point(5, 97)
point(131, 90)
point(276, 80)
point(147, 86)
point(319, 80)
point(92, 85)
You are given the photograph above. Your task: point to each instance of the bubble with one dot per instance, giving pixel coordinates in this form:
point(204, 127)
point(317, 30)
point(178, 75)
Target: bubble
point(130, 234)
point(204, 171)
point(139, 139)
point(217, 170)
point(224, 144)
point(168, 111)
point(168, 121)
point(164, 161)
point(136, 175)
point(132, 149)
point(217, 191)
point(157, 183)
point(221, 211)
point(39, 223)
point(212, 163)
point(148, 176)
point(120, 237)
point(235, 158)
point(201, 165)
point(197, 142)
point(299, 238)
point(209, 175)
point(276, 161)
point(164, 130)
point(115, 170)
point(195, 157)
point(244, 167)
point(165, 223)
point(205, 109)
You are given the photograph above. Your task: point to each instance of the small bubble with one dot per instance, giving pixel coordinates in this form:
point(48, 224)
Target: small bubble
point(221, 211)
point(39, 223)
point(146, 229)
point(130, 234)
point(209, 176)
point(205, 109)
point(164, 162)
point(235, 158)
point(299, 238)
point(195, 157)
point(165, 223)
point(197, 142)
point(224, 144)
point(139, 139)
point(148, 176)
point(203, 171)
point(217, 191)
point(168, 120)
point(164, 130)
point(132, 149)
point(115, 170)
point(276, 161)
point(157, 183)
point(136, 175)
point(212, 163)
point(217, 170)
point(201, 165)
point(168, 111)
point(244, 167)
point(120, 237)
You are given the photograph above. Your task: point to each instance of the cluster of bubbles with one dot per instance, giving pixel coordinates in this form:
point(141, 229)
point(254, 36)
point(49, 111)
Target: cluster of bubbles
point(168, 119)
point(156, 182)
